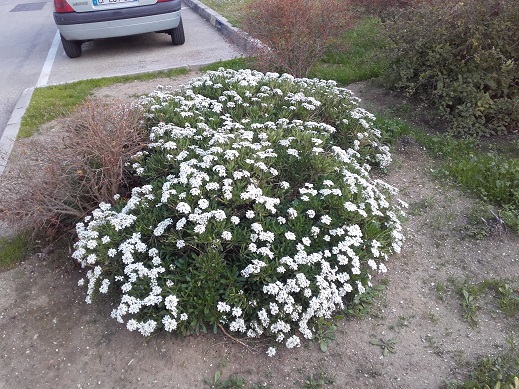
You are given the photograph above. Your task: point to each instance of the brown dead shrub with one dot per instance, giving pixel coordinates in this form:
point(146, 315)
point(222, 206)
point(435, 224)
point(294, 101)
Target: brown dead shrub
point(81, 169)
point(292, 35)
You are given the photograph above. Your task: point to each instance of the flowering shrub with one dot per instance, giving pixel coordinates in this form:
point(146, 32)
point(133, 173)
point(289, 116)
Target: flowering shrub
point(258, 213)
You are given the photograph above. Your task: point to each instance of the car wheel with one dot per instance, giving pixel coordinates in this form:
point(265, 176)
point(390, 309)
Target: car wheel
point(177, 34)
point(72, 48)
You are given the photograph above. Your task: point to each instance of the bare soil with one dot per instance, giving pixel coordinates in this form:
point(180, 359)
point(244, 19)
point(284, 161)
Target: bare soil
point(50, 338)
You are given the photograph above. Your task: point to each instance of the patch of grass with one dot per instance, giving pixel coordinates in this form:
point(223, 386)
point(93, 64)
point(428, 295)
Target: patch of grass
point(13, 251)
point(359, 59)
point(232, 10)
point(50, 102)
point(491, 175)
point(235, 64)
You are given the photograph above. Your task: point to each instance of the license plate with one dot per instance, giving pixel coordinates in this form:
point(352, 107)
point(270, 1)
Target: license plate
point(107, 2)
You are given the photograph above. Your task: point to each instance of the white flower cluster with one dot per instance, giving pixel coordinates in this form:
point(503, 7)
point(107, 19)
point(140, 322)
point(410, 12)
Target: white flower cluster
point(245, 186)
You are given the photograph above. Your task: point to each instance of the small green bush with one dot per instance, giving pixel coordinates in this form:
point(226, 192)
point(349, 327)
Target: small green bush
point(462, 57)
point(257, 211)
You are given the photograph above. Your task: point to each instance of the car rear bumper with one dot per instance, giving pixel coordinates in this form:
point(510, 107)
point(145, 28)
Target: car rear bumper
point(118, 22)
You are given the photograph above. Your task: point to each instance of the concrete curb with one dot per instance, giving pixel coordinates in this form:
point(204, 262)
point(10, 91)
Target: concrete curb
point(13, 126)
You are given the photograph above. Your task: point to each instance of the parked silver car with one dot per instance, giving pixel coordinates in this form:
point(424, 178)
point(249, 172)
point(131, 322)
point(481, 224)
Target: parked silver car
point(79, 21)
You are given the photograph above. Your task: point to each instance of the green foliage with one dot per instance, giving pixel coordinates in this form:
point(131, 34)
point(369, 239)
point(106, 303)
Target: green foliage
point(461, 56)
point(326, 333)
point(499, 291)
point(362, 304)
point(492, 176)
point(501, 371)
point(13, 250)
point(51, 102)
point(317, 381)
point(357, 58)
point(233, 382)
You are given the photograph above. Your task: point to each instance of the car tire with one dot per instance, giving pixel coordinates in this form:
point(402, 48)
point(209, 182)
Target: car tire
point(72, 48)
point(177, 34)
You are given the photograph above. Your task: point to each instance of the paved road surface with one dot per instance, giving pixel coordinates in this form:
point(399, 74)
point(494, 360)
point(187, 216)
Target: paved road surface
point(148, 52)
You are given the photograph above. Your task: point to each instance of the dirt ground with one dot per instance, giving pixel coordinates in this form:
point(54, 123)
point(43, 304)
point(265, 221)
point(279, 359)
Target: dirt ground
point(50, 338)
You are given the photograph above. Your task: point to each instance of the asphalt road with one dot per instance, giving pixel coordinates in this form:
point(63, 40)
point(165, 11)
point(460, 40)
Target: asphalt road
point(28, 57)
point(26, 35)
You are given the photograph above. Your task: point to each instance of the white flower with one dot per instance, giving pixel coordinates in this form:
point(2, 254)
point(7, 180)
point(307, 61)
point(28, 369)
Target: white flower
point(181, 243)
point(271, 351)
point(91, 244)
point(235, 220)
point(293, 341)
point(292, 213)
point(203, 203)
point(104, 286)
point(290, 235)
point(180, 224)
point(293, 152)
point(226, 235)
point(183, 316)
point(325, 219)
point(223, 307)
point(249, 214)
point(169, 323)
point(310, 213)
point(183, 207)
point(199, 228)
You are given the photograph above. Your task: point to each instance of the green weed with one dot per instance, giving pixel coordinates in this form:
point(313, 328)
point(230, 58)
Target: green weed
point(387, 345)
point(500, 371)
point(233, 382)
point(317, 381)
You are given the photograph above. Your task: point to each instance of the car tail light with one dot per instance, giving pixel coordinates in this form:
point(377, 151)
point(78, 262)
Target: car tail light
point(61, 6)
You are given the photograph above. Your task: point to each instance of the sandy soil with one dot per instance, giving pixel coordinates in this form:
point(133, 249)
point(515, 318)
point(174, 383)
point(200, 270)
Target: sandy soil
point(50, 338)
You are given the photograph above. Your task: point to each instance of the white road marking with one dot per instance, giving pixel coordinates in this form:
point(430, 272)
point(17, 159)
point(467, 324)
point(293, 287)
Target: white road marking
point(47, 66)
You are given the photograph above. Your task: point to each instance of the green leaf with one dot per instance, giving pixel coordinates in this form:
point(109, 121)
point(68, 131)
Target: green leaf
point(323, 346)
